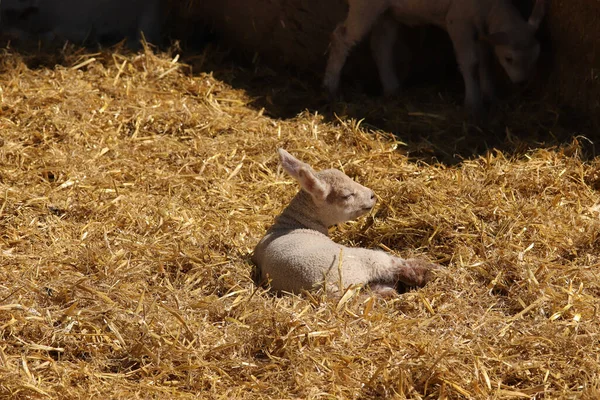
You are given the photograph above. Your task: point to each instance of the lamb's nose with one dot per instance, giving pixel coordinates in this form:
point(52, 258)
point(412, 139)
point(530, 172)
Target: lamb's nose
point(372, 195)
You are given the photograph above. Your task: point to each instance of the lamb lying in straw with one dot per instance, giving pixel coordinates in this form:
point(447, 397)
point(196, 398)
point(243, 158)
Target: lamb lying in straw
point(297, 254)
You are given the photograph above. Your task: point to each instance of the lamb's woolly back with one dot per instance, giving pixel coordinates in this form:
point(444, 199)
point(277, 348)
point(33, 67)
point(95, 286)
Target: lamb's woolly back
point(296, 252)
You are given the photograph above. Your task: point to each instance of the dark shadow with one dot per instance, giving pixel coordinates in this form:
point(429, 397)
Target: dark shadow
point(427, 116)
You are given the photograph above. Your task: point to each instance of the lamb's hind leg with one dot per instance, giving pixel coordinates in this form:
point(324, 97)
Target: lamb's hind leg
point(462, 35)
point(414, 271)
point(410, 272)
point(362, 14)
point(383, 290)
point(383, 39)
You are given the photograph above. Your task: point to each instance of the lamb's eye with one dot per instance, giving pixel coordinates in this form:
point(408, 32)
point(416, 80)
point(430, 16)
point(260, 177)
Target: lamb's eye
point(509, 59)
point(347, 196)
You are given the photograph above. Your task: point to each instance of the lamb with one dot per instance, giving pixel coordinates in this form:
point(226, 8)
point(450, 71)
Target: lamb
point(297, 254)
point(102, 21)
point(476, 27)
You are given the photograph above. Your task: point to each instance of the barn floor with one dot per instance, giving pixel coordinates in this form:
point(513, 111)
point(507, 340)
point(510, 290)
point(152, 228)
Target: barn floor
point(133, 188)
point(428, 116)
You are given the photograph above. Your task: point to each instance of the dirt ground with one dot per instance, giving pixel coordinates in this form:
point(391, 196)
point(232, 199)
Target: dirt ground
point(134, 187)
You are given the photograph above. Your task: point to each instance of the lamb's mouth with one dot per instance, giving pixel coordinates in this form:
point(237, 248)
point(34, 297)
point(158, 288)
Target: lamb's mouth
point(369, 208)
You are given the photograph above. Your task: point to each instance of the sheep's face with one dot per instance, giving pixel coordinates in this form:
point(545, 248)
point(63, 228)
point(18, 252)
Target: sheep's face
point(515, 46)
point(518, 63)
point(336, 197)
point(346, 199)
point(517, 52)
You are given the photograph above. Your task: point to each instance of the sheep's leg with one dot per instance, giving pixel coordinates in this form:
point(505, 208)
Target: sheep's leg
point(387, 270)
point(463, 39)
point(361, 17)
point(150, 23)
point(414, 271)
point(383, 290)
point(383, 38)
point(485, 74)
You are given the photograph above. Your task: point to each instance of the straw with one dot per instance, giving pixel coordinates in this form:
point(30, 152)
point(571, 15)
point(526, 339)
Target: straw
point(132, 193)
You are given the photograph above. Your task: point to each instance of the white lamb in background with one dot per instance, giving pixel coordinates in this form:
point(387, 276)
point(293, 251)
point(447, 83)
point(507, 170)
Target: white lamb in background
point(297, 254)
point(474, 26)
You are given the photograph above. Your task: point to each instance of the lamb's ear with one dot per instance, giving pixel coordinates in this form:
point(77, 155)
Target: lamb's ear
point(539, 10)
point(304, 174)
point(313, 185)
point(290, 164)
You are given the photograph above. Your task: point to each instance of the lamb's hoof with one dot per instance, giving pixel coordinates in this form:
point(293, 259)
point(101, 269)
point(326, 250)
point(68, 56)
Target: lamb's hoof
point(478, 116)
point(331, 86)
point(418, 272)
point(384, 291)
point(392, 91)
point(332, 97)
point(489, 99)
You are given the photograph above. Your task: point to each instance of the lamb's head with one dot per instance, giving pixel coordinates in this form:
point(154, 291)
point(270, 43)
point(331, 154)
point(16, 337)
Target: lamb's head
point(337, 198)
point(516, 53)
point(516, 46)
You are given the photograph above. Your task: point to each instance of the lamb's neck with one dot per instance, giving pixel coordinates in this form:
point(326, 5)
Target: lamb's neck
point(301, 213)
point(501, 17)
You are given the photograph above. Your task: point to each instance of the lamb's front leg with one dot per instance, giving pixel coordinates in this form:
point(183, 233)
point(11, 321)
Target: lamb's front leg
point(462, 34)
point(361, 16)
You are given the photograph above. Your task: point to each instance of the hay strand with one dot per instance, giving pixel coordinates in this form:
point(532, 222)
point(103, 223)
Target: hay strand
point(133, 193)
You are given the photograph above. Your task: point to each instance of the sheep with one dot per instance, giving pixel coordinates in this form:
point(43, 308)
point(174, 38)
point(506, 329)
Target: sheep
point(102, 21)
point(475, 27)
point(297, 254)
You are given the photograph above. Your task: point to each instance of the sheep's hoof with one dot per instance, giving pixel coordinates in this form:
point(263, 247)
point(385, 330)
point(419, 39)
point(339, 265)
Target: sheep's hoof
point(489, 99)
point(478, 115)
point(333, 97)
point(331, 85)
point(383, 291)
point(392, 90)
point(417, 272)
